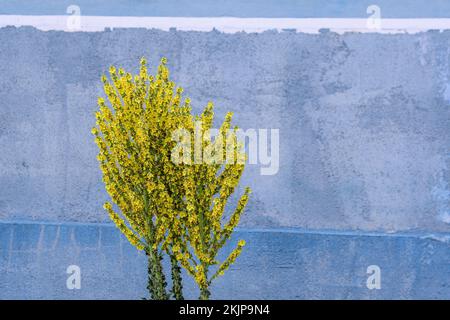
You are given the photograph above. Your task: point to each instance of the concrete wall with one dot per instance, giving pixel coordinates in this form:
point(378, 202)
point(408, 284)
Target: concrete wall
point(363, 120)
point(364, 137)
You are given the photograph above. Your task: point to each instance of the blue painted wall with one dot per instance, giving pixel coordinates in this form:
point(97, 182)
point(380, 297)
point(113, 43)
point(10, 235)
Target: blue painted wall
point(276, 264)
point(233, 8)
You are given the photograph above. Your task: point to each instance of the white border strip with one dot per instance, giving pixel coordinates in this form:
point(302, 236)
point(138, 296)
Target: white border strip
point(223, 24)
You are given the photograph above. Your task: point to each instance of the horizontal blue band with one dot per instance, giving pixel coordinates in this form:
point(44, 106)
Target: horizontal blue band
point(233, 8)
point(273, 265)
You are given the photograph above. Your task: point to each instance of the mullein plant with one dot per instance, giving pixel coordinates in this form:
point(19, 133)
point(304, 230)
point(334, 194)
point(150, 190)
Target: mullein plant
point(164, 199)
point(214, 168)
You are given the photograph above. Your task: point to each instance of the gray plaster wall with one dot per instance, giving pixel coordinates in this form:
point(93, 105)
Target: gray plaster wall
point(363, 121)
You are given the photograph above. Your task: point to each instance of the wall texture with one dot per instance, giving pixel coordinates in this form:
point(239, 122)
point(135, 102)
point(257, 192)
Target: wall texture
point(364, 147)
point(363, 120)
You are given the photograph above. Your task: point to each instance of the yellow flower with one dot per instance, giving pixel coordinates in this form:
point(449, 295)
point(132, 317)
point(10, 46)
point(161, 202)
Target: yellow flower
point(177, 207)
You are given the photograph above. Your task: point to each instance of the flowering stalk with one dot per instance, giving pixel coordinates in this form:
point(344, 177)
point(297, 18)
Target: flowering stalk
point(133, 134)
point(163, 205)
point(208, 185)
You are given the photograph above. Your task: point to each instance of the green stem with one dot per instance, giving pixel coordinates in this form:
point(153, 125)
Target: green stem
point(204, 291)
point(177, 285)
point(156, 279)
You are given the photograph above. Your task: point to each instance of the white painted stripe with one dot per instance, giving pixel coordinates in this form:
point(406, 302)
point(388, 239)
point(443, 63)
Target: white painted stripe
point(223, 24)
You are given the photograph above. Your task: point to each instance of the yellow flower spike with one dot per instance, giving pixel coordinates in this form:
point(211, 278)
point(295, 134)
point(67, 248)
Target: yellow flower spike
point(166, 207)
